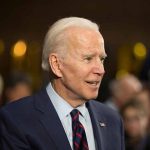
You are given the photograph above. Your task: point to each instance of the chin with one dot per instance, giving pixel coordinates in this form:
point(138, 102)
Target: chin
point(91, 97)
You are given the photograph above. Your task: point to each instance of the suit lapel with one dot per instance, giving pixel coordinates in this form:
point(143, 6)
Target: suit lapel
point(51, 121)
point(99, 125)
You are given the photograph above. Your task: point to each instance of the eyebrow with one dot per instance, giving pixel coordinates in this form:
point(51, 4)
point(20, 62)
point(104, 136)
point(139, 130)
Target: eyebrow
point(87, 55)
point(92, 55)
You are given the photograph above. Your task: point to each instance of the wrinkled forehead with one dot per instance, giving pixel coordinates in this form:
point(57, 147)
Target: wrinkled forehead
point(80, 32)
point(79, 35)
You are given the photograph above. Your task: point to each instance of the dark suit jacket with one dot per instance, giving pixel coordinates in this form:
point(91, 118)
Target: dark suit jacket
point(33, 124)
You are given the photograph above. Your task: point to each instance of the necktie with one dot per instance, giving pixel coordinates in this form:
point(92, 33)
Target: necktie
point(79, 136)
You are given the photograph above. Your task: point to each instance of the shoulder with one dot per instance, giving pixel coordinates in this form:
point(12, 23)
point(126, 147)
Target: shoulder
point(103, 110)
point(22, 106)
point(101, 107)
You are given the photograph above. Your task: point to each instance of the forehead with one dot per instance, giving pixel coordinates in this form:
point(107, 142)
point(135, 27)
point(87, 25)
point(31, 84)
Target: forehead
point(81, 34)
point(84, 40)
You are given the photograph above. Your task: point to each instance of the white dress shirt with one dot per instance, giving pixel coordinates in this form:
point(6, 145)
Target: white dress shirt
point(63, 110)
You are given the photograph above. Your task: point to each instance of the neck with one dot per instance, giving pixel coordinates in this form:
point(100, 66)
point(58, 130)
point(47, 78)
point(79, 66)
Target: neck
point(74, 102)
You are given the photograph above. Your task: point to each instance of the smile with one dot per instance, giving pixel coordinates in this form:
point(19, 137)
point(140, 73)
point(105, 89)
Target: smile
point(94, 83)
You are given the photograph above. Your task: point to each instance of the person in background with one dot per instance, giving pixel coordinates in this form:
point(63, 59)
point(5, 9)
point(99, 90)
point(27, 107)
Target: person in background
point(17, 85)
point(143, 96)
point(135, 118)
point(64, 115)
point(122, 90)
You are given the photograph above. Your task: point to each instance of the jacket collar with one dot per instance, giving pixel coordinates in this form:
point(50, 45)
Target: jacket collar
point(99, 123)
point(50, 120)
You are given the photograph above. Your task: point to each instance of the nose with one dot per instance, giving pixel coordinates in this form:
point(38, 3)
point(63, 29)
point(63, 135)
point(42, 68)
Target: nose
point(99, 68)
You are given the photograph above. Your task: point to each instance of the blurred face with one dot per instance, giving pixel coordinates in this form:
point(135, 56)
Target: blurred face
point(81, 71)
point(135, 122)
point(127, 88)
point(143, 97)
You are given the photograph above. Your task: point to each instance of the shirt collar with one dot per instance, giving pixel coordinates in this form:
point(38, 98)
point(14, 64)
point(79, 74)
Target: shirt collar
point(62, 107)
point(82, 110)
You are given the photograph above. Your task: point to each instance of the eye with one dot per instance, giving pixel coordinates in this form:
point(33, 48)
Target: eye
point(102, 59)
point(88, 58)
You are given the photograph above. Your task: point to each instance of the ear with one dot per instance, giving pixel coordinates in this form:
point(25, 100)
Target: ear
point(55, 64)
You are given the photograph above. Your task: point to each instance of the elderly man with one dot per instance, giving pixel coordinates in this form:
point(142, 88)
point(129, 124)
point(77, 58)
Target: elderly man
point(63, 116)
point(123, 90)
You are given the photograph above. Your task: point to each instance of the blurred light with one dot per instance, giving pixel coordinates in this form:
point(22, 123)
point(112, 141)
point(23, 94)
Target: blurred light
point(140, 50)
point(19, 49)
point(2, 47)
point(121, 73)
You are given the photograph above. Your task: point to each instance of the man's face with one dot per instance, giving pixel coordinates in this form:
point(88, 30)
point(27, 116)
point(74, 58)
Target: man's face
point(82, 68)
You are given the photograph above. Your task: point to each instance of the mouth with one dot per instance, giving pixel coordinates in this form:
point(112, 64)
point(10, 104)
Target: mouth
point(93, 83)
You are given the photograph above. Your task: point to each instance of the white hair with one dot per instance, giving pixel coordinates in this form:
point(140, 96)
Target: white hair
point(53, 40)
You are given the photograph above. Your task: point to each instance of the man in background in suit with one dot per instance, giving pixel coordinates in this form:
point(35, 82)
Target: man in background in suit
point(64, 116)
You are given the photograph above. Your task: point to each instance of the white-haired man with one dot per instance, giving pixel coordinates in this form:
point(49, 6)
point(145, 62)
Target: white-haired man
point(63, 116)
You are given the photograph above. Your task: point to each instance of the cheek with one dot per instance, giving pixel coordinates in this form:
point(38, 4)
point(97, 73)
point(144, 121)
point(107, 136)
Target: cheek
point(75, 77)
point(144, 123)
point(70, 76)
point(74, 71)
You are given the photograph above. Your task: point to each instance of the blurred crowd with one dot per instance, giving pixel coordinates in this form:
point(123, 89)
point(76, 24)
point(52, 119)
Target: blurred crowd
point(131, 98)
point(16, 86)
point(128, 96)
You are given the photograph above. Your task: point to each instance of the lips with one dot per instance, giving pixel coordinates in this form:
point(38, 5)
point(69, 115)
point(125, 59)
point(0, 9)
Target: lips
point(93, 82)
